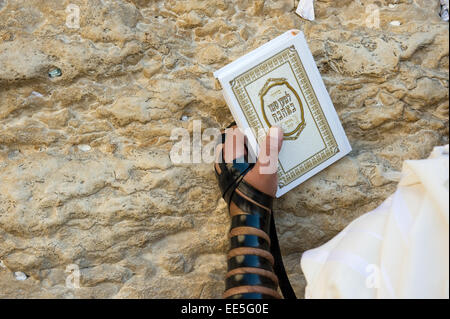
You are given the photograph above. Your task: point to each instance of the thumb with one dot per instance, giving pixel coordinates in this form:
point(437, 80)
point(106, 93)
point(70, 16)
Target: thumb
point(267, 163)
point(264, 175)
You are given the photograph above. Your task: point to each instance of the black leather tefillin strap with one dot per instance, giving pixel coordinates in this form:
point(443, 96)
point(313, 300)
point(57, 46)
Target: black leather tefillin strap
point(255, 264)
point(280, 271)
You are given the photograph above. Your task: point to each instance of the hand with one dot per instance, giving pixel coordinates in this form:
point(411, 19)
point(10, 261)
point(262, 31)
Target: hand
point(264, 175)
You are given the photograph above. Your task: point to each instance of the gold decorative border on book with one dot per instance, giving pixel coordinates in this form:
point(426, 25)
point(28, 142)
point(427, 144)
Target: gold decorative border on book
point(290, 56)
point(292, 135)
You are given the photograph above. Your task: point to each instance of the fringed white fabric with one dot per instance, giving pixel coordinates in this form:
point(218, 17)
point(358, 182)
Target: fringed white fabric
point(399, 250)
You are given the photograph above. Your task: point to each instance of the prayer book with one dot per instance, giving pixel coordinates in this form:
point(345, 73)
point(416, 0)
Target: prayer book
point(279, 84)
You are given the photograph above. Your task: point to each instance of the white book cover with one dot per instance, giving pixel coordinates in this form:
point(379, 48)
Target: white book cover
point(279, 84)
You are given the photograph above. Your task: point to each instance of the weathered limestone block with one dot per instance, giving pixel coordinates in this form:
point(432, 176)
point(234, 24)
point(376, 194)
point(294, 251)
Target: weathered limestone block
point(86, 180)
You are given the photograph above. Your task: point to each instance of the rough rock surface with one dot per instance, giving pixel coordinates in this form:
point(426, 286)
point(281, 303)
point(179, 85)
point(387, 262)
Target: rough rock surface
point(85, 173)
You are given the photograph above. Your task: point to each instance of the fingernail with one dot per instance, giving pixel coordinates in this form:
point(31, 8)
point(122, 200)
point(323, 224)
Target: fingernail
point(275, 137)
point(276, 134)
point(275, 131)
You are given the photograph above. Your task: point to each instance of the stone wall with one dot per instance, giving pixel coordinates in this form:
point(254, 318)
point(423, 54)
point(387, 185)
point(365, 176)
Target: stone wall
point(85, 173)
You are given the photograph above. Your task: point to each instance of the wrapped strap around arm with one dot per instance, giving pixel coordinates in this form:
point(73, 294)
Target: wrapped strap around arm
point(255, 266)
point(250, 262)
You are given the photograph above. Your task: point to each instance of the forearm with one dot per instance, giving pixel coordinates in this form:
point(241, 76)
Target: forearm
point(250, 263)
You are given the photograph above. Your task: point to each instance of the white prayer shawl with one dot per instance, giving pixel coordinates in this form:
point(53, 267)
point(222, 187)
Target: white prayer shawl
point(399, 250)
